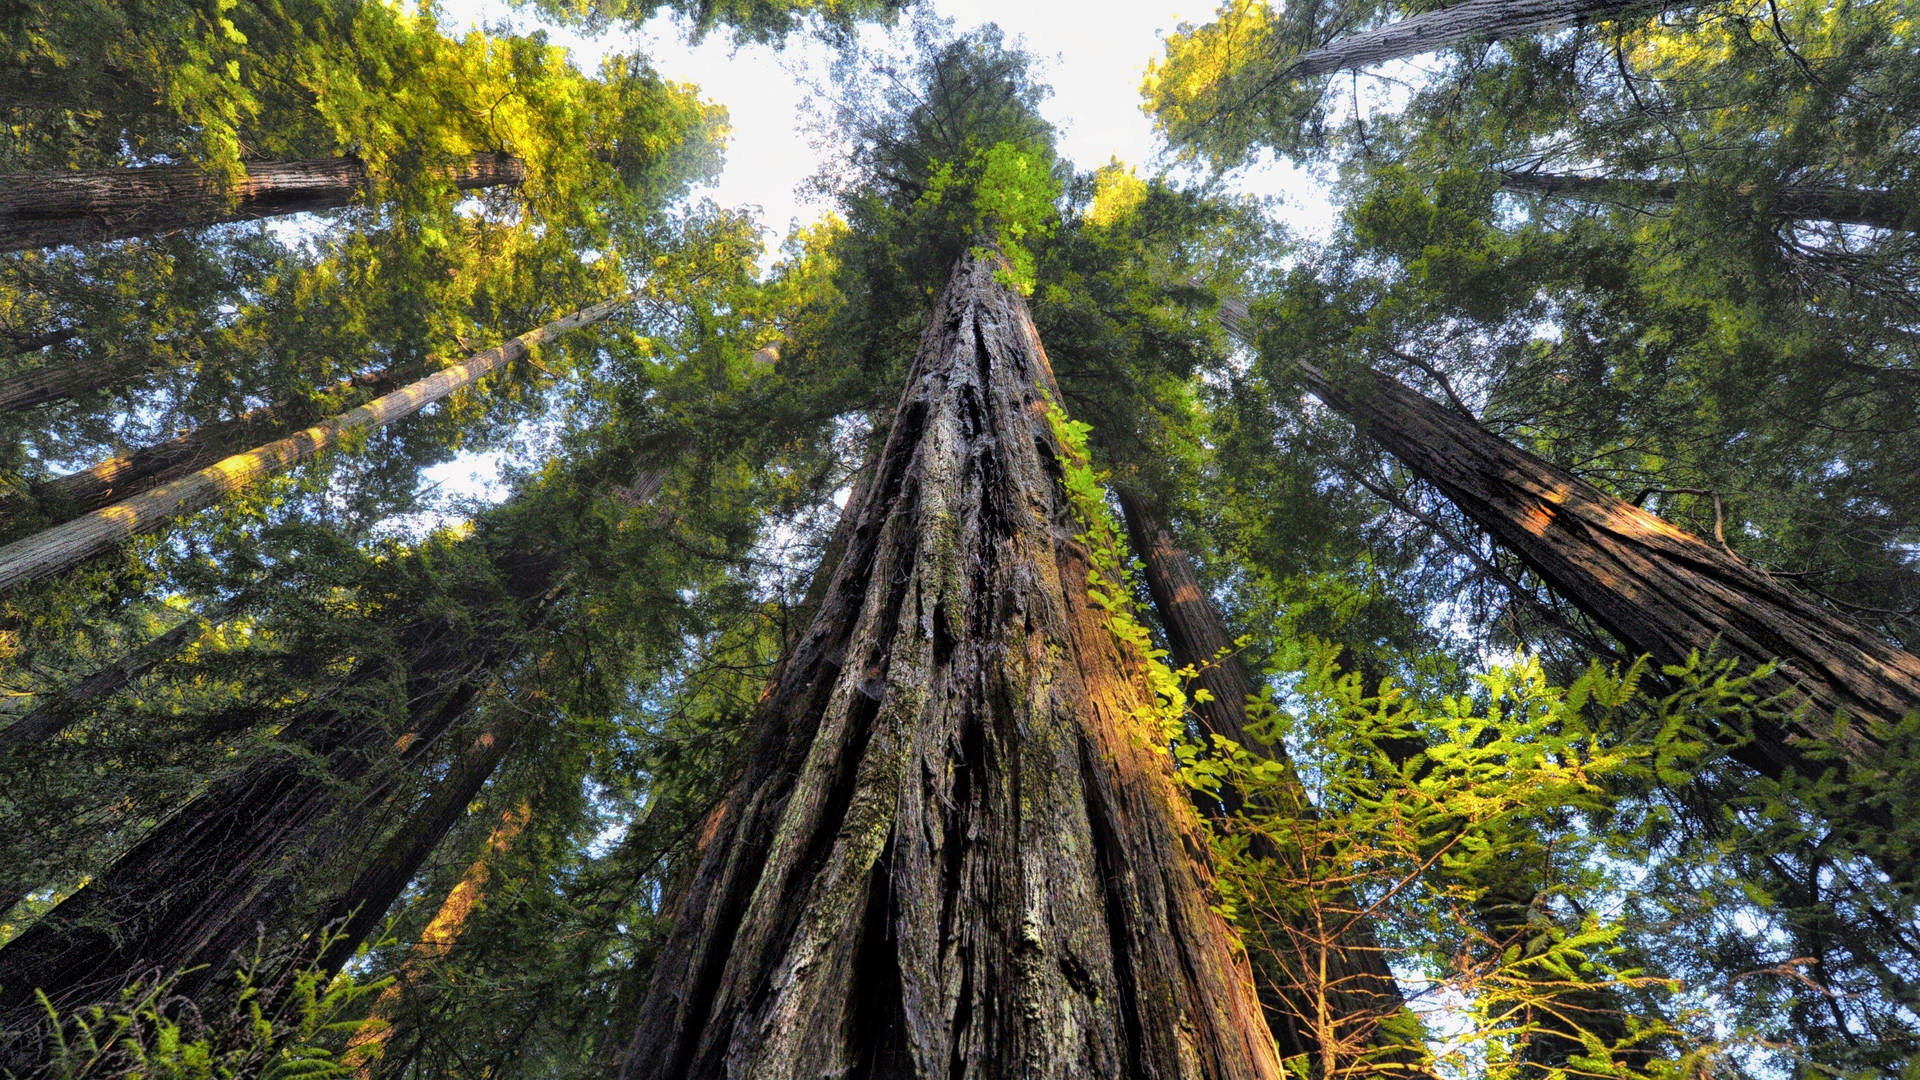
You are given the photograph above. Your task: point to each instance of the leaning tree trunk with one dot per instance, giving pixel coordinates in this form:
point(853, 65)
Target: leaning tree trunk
point(194, 892)
point(1320, 1011)
point(124, 476)
point(1664, 592)
point(1878, 208)
point(957, 849)
point(51, 716)
point(69, 543)
point(40, 210)
point(1474, 20)
point(60, 379)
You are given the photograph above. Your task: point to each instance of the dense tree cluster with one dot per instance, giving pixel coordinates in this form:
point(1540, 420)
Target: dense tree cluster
point(1046, 622)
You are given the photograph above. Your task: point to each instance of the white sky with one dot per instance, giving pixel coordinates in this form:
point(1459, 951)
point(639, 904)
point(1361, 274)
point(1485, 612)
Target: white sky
point(1094, 55)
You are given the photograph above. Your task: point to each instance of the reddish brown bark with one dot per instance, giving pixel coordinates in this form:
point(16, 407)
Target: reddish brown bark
point(1331, 1010)
point(957, 848)
point(49, 209)
point(1663, 591)
point(196, 890)
point(52, 716)
point(437, 940)
point(60, 380)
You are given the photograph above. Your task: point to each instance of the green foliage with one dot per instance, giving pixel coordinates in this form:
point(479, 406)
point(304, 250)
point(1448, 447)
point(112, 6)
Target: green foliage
point(747, 20)
point(1005, 192)
point(147, 1034)
point(1110, 579)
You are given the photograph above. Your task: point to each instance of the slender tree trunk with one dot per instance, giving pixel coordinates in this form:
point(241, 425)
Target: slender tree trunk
point(63, 707)
point(1348, 975)
point(15, 344)
point(1361, 989)
point(124, 476)
point(194, 893)
point(1875, 207)
point(40, 210)
point(957, 849)
point(437, 940)
point(53, 550)
point(1663, 591)
point(1473, 20)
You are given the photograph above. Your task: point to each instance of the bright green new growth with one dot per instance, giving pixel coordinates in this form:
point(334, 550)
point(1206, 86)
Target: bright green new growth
point(1007, 192)
point(1110, 581)
point(1517, 776)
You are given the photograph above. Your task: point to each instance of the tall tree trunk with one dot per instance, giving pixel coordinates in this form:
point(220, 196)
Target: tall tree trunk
point(957, 849)
point(1875, 207)
point(195, 891)
point(40, 210)
point(1323, 997)
point(1474, 20)
point(55, 549)
point(1664, 592)
point(437, 940)
point(124, 476)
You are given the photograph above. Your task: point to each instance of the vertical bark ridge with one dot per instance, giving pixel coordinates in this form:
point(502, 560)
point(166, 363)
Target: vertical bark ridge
point(959, 784)
point(1660, 589)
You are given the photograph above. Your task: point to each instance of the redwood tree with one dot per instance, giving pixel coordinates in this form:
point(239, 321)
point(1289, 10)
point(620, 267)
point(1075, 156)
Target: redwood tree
point(197, 888)
point(1663, 591)
point(1348, 972)
point(1429, 31)
point(1878, 208)
point(957, 848)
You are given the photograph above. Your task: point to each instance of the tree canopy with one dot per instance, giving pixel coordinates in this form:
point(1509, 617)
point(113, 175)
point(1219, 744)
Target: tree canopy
point(1047, 615)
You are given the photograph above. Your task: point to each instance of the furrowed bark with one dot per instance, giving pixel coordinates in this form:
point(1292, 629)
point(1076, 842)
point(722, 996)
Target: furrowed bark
point(39, 210)
point(1474, 20)
point(1875, 207)
point(68, 704)
point(195, 892)
point(1665, 592)
point(1355, 984)
point(69, 543)
point(957, 849)
point(1661, 590)
point(124, 476)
